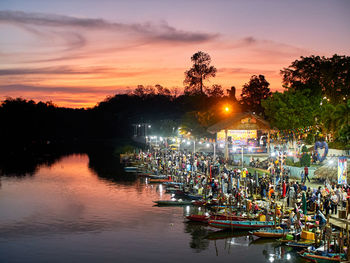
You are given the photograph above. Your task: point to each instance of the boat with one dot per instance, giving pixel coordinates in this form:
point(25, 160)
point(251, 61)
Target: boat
point(131, 169)
point(205, 218)
point(160, 176)
point(158, 180)
point(270, 233)
point(198, 218)
point(172, 202)
point(228, 224)
point(323, 256)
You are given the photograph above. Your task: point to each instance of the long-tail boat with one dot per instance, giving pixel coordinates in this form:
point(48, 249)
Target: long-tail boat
point(323, 257)
point(172, 202)
point(248, 225)
point(270, 233)
point(206, 218)
point(158, 180)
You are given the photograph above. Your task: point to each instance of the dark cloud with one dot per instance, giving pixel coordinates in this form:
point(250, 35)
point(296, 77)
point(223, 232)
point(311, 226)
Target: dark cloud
point(160, 32)
point(18, 88)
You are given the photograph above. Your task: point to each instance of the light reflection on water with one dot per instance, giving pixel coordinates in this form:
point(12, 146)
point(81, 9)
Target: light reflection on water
point(67, 213)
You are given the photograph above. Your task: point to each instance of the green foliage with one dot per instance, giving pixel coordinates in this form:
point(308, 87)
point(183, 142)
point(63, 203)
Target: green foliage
point(310, 139)
point(327, 77)
point(304, 149)
point(305, 160)
point(290, 110)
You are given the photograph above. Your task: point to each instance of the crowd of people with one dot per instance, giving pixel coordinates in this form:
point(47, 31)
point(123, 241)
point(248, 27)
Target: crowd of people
point(215, 178)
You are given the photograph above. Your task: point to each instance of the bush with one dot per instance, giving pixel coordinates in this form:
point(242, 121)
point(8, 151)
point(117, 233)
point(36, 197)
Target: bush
point(305, 160)
point(304, 149)
point(310, 139)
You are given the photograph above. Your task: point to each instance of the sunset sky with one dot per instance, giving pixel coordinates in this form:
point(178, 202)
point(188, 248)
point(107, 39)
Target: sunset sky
point(77, 52)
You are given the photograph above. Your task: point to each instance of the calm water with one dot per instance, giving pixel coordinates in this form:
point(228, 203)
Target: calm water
point(67, 212)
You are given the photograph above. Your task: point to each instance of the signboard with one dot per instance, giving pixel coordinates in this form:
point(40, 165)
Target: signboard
point(342, 170)
point(238, 137)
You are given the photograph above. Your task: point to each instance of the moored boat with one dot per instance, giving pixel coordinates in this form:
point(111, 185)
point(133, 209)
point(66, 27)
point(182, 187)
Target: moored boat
point(270, 233)
point(130, 169)
point(323, 257)
point(158, 180)
point(228, 224)
point(172, 202)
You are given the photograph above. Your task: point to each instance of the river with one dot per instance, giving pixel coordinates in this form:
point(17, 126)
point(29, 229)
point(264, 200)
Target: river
point(70, 211)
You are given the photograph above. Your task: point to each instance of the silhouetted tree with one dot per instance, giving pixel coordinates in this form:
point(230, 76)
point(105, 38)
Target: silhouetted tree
point(328, 77)
point(254, 92)
point(215, 91)
point(200, 71)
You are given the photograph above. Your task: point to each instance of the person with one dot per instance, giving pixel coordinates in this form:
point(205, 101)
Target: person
point(334, 202)
point(306, 172)
point(302, 176)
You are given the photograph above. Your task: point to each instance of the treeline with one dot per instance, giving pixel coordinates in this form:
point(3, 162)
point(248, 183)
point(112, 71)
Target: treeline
point(315, 100)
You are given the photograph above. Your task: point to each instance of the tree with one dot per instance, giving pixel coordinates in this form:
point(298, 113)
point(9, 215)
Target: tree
point(253, 92)
point(291, 110)
point(326, 77)
point(215, 91)
point(198, 73)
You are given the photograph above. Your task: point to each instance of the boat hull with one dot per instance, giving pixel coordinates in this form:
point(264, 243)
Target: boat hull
point(247, 225)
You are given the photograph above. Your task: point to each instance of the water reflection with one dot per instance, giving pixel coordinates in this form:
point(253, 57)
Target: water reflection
point(84, 207)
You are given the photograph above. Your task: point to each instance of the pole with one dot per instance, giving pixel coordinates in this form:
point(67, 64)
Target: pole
point(214, 144)
point(242, 157)
point(226, 146)
point(194, 146)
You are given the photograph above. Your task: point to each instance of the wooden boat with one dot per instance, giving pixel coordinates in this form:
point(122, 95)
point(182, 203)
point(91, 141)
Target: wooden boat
point(172, 202)
point(248, 225)
point(205, 219)
point(323, 257)
point(270, 233)
point(160, 176)
point(158, 180)
point(198, 218)
point(130, 169)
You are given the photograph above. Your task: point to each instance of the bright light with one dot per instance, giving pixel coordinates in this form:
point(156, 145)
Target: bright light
point(174, 140)
point(330, 161)
point(227, 109)
point(221, 145)
point(273, 154)
point(139, 125)
point(288, 256)
point(200, 142)
point(149, 126)
point(234, 149)
point(188, 143)
point(290, 154)
point(271, 259)
point(208, 145)
point(161, 139)
point(250, 149)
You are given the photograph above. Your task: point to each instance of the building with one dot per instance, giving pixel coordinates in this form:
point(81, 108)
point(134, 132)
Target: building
point(242, 130)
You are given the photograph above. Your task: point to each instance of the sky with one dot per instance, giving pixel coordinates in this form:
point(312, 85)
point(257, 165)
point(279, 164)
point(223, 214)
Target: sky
point(75, 53)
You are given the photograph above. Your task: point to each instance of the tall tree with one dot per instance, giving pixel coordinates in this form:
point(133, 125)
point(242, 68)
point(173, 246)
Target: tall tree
point(291, 110)
point(329, 77)
point(253, 92)
point(200, 71)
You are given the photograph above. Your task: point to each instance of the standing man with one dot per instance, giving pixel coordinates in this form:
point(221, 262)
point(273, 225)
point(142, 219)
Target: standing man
point(306, 172)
